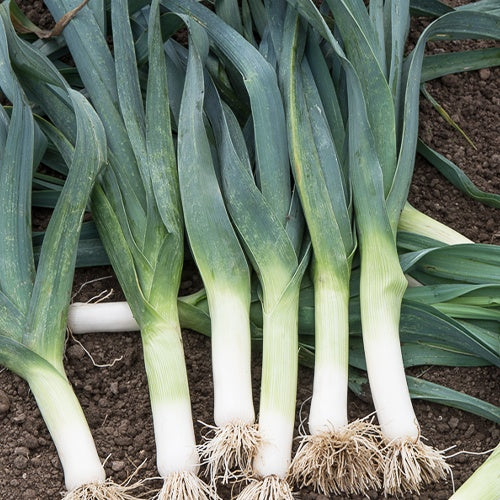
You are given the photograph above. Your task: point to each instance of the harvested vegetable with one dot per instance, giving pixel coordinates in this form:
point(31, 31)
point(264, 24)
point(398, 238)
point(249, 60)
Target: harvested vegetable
point(34, 303)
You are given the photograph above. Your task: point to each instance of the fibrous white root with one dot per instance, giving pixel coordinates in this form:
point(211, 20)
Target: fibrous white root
point(269, 488)
point(339, 461)
point(106, 490)
point(185, 486)
point(408, 465)
point(229, 450)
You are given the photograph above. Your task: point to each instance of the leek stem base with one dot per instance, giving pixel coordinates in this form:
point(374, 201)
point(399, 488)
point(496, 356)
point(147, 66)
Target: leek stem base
point(408, 465)
point(229, 450)
point(341, 460)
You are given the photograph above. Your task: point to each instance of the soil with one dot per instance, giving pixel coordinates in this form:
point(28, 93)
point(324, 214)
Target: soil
point(111, 386)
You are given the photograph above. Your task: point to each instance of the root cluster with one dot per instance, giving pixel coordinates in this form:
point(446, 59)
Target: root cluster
point(229, 450)
point(185, 486)
point(409, 465)
point(339, 461)
point(106, 490)
point(269, 488)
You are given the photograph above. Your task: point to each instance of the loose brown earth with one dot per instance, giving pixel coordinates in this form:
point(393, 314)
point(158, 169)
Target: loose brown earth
point(115, 398)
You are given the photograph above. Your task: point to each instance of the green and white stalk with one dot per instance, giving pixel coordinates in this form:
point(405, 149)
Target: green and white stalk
point(34, 304)
point(68, 428)
point(382, 286)
point(278, 393)
point(337, 457)
point(226, 276)
point(381, 148)
point(408, 461)
point(383, 123)
point(414, 221)
point(167, 380)
point(269, 223)
point(136, 208)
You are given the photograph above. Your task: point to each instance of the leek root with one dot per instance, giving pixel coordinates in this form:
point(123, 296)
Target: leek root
point(340, 460)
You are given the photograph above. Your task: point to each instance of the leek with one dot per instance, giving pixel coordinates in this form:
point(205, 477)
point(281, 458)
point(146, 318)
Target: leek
point(226, 276)
point(337, 457)
point(382, 97)
point(34, 304)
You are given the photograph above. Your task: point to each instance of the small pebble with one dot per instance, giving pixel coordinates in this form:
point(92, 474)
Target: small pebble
point(453, 422)
point(484, 73)
point(75, 351)
point(4, 403)
point(20, 462)
point(117, 466)
point(21, 450)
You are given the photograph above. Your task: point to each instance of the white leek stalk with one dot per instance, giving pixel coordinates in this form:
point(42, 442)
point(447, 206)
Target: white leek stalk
point(329, 400)
point(225, 274)
point(382, 287)
point(170, 404)
point(414, 221)
point(67, 426)
point(101, 317)
point(408, 461)
point(338, 456)
point(230, 358)
point(278, 388)
point(277, 401)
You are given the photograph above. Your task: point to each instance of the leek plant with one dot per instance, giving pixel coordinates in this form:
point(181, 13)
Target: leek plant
point(225, 274)
point(382, 137)
point(136, 208)
point(337, 457)
point(34, 303)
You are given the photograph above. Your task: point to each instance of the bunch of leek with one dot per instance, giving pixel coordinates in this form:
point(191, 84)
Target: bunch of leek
point(265, 217)
point(34, 303)
point(136, 208)
point(237, 181)
point(382, 97)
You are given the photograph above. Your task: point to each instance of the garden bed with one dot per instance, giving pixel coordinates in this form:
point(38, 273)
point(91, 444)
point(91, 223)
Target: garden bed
point(115, 398)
